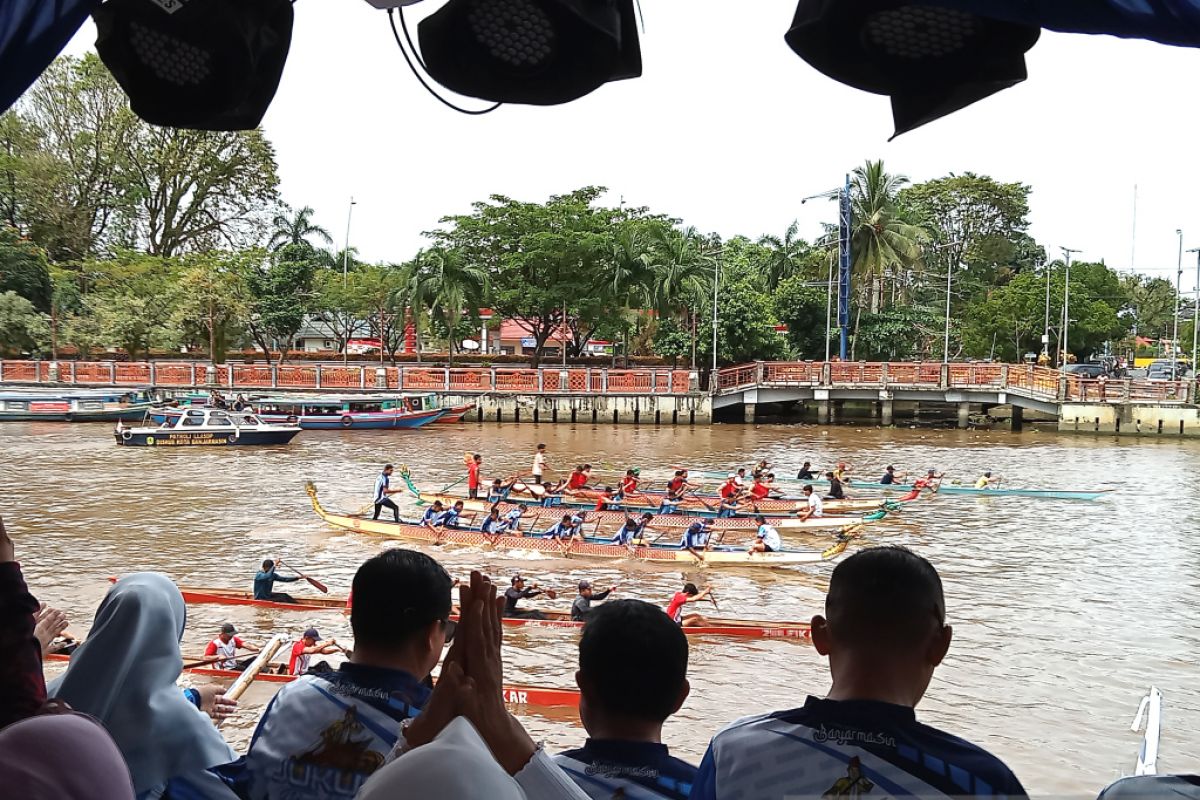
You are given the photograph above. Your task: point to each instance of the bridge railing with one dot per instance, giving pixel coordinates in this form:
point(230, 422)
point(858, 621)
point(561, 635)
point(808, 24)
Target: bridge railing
point(255, 377)
point(1031, 380)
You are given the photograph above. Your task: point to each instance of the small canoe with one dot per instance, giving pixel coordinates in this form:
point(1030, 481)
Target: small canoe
point(513, 695)
point(945, 488)
point(664, 554)
point(720, 626)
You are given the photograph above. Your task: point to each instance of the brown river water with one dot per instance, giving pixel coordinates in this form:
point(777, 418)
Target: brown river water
point(1064, 612)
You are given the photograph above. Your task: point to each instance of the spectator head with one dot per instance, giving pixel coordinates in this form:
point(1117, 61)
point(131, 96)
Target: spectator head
point(268, 565)
point(62, 756)
point(401, 609)
point(619, 698)
point(885, 615)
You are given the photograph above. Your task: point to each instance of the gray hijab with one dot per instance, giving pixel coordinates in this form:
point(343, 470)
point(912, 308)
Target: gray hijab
point(124, 675)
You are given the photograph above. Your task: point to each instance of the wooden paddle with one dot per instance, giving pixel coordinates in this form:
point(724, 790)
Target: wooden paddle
point(316, 584)
point(239, 686)
point(204, 662)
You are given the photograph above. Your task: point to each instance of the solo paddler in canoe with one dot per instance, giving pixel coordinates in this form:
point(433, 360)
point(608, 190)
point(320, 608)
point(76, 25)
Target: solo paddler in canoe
point(711, 554)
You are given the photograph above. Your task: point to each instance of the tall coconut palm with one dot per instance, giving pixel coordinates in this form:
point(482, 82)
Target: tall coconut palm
point(882, 240)
point(787, 255)
point(442, 283)
point(295, 228)
point(683, 263)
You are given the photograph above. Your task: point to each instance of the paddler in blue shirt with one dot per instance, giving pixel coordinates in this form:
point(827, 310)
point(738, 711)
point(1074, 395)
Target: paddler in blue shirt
point(563, 529)
point(383, 491)
point(696, 537)
point(264, 583)
point(432, 513)
point(889, 476)
point(633, 530)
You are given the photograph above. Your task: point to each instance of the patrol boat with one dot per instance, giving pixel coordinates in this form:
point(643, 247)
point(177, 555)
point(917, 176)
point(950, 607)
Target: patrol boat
point(206, 427)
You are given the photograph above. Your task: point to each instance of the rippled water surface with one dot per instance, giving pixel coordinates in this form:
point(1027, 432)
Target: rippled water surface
point(1064, 612)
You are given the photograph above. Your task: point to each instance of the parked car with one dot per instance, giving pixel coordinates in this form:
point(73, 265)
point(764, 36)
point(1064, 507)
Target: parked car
point(1162, 370)
point(1086, 370)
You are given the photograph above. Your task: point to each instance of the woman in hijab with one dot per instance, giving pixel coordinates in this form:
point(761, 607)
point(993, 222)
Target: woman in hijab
point(62, 757)
point(124, 675)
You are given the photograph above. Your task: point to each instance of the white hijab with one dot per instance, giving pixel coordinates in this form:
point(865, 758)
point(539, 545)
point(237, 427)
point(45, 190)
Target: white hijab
point(457, 765)
point(124, 675)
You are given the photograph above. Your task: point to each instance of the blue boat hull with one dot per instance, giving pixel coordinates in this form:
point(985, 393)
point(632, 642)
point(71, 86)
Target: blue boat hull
point(357, 422)
point(176, 438)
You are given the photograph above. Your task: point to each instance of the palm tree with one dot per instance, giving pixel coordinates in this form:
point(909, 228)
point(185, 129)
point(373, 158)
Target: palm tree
point(882, 240)
point(296, 228)
point(440, 282)
point(683, 264)
point(787, 255)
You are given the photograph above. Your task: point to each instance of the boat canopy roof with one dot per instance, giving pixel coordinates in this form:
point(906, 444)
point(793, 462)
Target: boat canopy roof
point(325, 399)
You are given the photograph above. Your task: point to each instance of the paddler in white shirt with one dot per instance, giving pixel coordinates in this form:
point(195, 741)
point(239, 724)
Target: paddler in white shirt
point(813, 507)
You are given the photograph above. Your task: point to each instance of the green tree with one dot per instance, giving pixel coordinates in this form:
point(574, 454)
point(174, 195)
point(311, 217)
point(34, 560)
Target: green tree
point(441, 282)
point(339, 306)
point(280, 293)
point(899, 333)
point(384, 293)
point(883, 242)
point(296, 228)
point(22, 328)
point(212, 296)
point(745, 319)
point(65, 304)
point(804, 308)
point(539, 257)
point(684, 264)
point(787, 256)
point(671, 341)
point(24, 269)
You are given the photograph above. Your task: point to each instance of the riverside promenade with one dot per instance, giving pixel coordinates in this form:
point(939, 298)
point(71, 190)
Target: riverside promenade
point(889, 391)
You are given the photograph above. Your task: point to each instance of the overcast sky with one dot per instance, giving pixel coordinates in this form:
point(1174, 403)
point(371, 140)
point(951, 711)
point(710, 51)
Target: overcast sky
point(728, 129)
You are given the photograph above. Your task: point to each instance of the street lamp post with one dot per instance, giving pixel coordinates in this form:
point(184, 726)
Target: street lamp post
point(1175, 330)
point(716, 284)
point(1196, 311)
point(946, 341)
point(346, 251)
point(1066, 328)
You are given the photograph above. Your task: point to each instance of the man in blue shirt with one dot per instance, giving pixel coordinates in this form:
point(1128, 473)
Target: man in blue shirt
point(382, 491)
point(449, 517)
point(696, 536)
point(563, 529)
point(623, 705)
point(633, 529)
point(324, 734)
point(264, 583)
point(885, 633)
point(432, 513)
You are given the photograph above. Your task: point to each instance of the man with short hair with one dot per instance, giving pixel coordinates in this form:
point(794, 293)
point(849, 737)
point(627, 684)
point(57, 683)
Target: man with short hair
point(806, 472)
point(539, 464)
point(383, 492)
point(323, 735)
point(310, 644)
point(581, 609)
point(473, 480)
point(695, 538)
point(264, 583)
point(633, 530)
point(767, 539)
point(515, 594)
point(813, 507)
point(689, 594)
point(623, 705)
point(885, 633)
point(226, 646)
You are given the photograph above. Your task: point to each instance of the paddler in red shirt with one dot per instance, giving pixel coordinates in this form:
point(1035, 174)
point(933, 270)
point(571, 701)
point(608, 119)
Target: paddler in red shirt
point(929, 480)
point(690, 594)
point(759, 490)
point(629, 483)
point(579, 478)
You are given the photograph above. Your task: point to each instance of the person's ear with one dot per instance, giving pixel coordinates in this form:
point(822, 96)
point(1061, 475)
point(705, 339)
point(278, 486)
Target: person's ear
point(684, 691)
point(821, 639)
point(939, 645)
point(435, 636)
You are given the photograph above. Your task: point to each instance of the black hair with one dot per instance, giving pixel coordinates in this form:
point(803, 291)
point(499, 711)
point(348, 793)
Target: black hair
point(587, 466)
point(387, 466)
point(807, 488)
point(690, 588)
point(620, 684)
point(760, 519)
point(647, 516)
point(678, 473)
point(884, 596)
point(541, 446)
point(268, 565)
point(397, 594)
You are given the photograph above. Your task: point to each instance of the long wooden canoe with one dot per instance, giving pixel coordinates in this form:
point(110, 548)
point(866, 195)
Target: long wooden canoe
point(587, 548)
point(654, 500)
point(536, 516)
point(945, 488)
point(513, 695)
point(720, 626)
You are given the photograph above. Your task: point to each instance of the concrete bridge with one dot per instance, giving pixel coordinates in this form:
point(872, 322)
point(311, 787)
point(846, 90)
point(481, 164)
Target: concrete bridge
point(674, 396)
point(1100, 406)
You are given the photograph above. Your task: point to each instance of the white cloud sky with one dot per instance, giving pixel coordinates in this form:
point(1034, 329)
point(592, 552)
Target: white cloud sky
point(728, 129)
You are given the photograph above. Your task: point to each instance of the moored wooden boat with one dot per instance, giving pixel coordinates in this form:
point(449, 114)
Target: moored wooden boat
point(587, 548)
point(334, 412)
point(719, 626)
point(79, 405)
point(455, 413)
point(515, 695)
point(944, 488)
